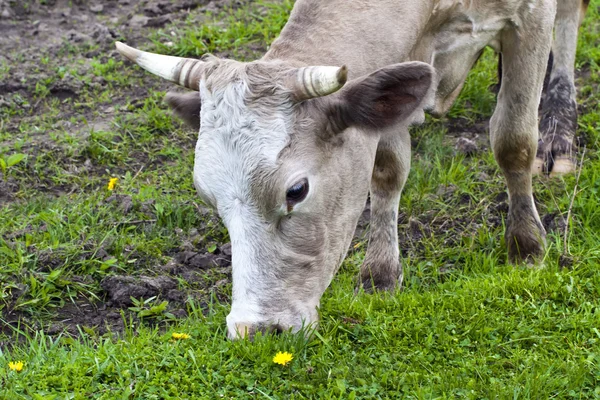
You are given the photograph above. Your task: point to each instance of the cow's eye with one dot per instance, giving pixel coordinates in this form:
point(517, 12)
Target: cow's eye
point(296, 193)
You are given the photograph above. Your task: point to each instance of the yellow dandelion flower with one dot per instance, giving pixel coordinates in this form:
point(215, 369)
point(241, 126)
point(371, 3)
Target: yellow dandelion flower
point(112, 183)
point(282, 358)
point(16, 366)
point(180, 336)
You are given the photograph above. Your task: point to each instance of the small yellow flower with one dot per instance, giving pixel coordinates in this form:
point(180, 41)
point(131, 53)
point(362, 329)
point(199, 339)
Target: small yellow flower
point(180, 336)
point(282, 358)
point(16, 366)
point(112, 183)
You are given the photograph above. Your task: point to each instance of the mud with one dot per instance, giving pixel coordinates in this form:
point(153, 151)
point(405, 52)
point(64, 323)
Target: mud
point(204, 274)
point(40, 40)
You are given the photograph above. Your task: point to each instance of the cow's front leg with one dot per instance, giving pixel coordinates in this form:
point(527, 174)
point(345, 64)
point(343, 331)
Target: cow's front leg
point(525, 50)
point(558, 126)
point(381, 269)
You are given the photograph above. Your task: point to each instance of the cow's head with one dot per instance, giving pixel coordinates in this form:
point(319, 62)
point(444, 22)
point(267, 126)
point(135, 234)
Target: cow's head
point(287, 165)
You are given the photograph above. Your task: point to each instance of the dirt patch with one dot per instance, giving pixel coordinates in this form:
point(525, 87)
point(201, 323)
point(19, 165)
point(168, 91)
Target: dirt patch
point(121, 290)
point(468, 138)
point(190, 275)
point(7, 190)
point(49, 54)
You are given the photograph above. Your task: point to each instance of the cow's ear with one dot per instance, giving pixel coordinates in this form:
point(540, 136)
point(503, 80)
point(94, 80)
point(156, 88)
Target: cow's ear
point(186, 106)
point(385, 97)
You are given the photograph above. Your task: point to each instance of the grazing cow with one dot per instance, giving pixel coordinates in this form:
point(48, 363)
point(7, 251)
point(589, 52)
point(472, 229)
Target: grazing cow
point(288, 148)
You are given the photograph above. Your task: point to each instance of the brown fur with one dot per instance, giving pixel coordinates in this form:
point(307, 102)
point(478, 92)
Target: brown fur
point(386, 171)
point(186, 106)
point(380, 99)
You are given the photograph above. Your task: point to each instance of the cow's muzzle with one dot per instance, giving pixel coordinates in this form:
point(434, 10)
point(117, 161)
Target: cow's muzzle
point(248, 331)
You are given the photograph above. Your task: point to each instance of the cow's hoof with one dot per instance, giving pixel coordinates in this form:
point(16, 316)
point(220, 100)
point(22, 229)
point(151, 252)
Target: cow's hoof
point(538, 166)
point(562, 165)
point(380, 277)
point(555, 155)
point(371, 287)
point(526, 246)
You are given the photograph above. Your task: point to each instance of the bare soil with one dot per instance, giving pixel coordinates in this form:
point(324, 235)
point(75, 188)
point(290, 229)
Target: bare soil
point(38, 37)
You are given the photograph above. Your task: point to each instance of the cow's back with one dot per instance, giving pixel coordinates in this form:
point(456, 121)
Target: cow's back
point(367, 35)
point(361, 34)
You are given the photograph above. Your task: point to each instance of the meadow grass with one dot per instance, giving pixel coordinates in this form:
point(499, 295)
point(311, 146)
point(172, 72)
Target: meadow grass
point(466, 325)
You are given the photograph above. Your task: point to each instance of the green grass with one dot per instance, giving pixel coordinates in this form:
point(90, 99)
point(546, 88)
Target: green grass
point(467, 325)
point(504, 333)
point(244, 32)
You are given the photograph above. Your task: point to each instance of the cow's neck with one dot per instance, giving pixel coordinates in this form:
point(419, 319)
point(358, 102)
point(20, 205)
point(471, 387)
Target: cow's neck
point(356, 33)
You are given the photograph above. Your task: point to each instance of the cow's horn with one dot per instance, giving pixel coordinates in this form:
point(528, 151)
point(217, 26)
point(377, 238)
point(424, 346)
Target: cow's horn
point(182, 71)
point(319, 81)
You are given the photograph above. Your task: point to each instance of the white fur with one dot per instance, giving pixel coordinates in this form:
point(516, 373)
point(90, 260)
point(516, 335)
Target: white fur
point(232, 143)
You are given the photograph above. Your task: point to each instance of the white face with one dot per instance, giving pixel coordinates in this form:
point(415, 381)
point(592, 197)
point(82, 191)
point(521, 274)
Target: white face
point(272, 193)
point(287, 164)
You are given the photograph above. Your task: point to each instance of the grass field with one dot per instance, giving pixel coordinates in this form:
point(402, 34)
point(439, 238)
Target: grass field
point(466, 325)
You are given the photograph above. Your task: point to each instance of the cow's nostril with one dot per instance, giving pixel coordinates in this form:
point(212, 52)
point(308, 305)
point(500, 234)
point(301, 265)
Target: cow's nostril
point(277, 329)
point(248, 331)
point(267, 329)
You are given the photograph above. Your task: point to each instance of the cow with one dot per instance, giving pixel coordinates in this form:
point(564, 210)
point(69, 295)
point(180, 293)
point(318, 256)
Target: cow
point(290, 146)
